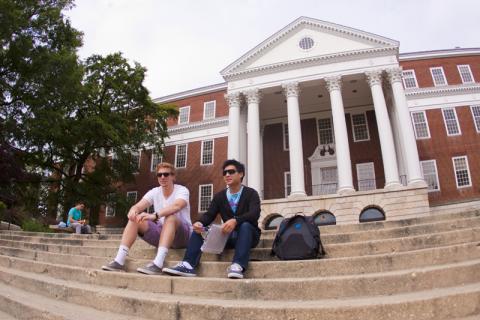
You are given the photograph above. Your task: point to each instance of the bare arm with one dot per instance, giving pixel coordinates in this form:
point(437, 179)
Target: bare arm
point(176, 206)
point(137, 208)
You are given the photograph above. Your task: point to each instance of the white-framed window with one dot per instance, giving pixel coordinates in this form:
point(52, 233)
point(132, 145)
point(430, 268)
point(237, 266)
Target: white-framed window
point(209, 110)
point(325, 131)
point(476, 116)
point(285, 136)
point(360, 127)
point(451, 121)
point(438, 76)
point(110, 206)
point(181, 156)
point(366, 176)
point(205, 194)
point(207, 152)
point(184, 115)
point(409, 79)
point(328, 181)
point(287, 182)
point(132, 197)
point(136, 160)
point(465, 73)
point(156, 159)
point(430, 174)
point(462, 171)
point(420, 125)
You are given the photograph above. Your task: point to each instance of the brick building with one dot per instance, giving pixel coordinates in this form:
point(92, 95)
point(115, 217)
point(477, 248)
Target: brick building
point(330, 121)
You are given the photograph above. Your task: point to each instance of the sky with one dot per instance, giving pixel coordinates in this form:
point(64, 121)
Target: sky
point(184, 44)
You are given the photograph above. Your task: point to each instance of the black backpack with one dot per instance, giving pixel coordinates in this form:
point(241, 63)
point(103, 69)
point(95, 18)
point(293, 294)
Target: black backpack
point(298, 238)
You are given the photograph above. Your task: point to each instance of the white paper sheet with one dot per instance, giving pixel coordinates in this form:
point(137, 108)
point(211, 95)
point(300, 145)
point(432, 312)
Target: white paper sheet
point(215, 241)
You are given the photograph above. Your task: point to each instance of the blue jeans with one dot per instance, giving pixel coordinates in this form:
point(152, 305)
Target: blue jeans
point(243, 238)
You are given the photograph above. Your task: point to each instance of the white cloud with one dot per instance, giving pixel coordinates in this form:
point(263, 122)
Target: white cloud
point(184, 44)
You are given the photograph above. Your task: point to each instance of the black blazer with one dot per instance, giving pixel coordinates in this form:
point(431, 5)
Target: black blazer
point(248, 208)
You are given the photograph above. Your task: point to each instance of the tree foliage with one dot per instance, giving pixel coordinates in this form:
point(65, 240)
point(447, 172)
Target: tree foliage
point(67, 117)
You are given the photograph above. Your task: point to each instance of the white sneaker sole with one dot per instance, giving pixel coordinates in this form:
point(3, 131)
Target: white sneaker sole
point(235, 276)
point(177, 273)
point(107, 268)
point(149, 272)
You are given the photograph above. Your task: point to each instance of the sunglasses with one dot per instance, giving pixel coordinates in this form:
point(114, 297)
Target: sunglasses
point(165, 174)
point(230, 172)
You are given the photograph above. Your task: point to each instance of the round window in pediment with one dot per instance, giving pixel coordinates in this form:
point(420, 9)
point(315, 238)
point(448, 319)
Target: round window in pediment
point(306, 43)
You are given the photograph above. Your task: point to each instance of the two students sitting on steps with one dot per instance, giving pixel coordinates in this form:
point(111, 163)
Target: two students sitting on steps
point(238, 206)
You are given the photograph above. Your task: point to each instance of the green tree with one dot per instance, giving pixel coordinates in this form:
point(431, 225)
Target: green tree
point(38, 61)
point(64, 115)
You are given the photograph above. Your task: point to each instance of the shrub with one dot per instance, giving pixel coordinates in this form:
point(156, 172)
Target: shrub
point(34, 226)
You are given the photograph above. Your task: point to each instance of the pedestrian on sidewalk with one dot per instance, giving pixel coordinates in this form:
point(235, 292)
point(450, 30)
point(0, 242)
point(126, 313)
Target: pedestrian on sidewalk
point(169, 225)
point(239, 208)
point(75, 221)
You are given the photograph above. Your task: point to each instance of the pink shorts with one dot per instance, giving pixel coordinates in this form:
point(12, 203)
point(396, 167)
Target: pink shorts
point(182, 234)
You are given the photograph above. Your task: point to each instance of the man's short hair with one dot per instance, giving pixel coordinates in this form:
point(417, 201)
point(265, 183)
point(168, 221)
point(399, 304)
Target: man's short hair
point(79, 202)
point(240, 167)
point(166, 165)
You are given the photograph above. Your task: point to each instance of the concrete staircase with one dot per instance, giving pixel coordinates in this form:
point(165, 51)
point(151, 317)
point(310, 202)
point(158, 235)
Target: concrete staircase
point(418, 269)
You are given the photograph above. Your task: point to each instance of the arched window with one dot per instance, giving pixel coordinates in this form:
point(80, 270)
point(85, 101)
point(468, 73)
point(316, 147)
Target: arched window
point(324, 218)
point(372, 214)
point(273, 222)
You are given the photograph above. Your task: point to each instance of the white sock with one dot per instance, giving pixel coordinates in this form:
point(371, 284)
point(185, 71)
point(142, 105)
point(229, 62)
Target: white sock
point(160, 258)
point(122, 254)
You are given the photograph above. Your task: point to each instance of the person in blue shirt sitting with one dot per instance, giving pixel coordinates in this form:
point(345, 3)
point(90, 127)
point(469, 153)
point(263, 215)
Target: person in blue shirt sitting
point(75, 220)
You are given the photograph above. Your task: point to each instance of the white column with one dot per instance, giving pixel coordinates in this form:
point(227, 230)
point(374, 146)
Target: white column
point(253, 128)
point(295, 140)
point(243, 138)
point(414, 172)
point(387, 145)
point(344, 163)
point(233, 100)
point(262, 176)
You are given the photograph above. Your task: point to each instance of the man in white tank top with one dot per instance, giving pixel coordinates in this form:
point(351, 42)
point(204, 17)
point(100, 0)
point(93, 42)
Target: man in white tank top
point(169, 225)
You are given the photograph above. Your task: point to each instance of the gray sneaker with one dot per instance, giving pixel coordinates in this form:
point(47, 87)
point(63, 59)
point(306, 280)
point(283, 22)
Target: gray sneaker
point(114, 266)
point(151, 269)
point(235, 271)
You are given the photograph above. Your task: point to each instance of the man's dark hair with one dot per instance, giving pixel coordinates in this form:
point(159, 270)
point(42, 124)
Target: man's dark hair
point(79, 202)
point(237, 164)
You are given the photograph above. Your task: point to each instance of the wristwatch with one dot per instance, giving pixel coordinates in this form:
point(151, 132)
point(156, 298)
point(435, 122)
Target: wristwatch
point(156, 217)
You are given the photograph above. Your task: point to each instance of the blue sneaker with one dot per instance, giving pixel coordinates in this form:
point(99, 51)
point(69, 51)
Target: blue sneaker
point(180, 270)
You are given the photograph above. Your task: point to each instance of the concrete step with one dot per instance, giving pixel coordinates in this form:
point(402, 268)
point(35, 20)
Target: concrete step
point(333, 229)
point(266, 241)
point(377, 225)
point(438, 304)
point(285, 269)
point(5, 316)
point(140, 250)
point(310, 288)
point(20, 304)
point(397, 232)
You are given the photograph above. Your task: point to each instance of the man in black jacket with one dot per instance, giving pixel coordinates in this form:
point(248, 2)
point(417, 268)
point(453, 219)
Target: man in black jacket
point(239, 207)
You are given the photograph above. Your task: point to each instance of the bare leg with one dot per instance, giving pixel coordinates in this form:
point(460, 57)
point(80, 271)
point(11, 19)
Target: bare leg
point(131, 230)
point(167, 235)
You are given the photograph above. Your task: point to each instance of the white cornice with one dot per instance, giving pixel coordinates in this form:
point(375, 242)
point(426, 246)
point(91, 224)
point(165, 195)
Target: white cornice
point(422, 55)
point(438, 91)
point(323, 59)
point(328, 26)
point(191, 93)
point(217, 122)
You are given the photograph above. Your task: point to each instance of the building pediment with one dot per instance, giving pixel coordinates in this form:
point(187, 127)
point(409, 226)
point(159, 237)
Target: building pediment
point(306, 41)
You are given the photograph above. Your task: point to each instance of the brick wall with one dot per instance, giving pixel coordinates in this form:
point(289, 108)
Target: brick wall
point(424, 77)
